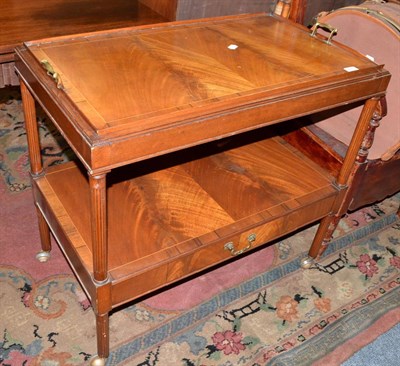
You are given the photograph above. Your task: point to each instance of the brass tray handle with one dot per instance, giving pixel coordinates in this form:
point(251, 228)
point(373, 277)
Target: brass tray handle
point(51, 72)
point(325, 27)
point(231, 247)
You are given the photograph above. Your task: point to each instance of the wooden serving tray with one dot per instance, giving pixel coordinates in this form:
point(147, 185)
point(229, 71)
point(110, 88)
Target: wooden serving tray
point(124, 91)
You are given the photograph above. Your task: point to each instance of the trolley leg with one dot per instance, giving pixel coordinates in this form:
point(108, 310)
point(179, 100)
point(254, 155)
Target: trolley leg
point(44, 254)
point(35, 160)
point(103, 340)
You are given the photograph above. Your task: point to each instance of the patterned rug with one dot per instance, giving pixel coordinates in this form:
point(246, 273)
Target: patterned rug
point(259, 310)
point(14, 160)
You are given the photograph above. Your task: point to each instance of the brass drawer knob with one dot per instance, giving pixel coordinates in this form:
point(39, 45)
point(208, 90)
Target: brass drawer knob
point(231, 247)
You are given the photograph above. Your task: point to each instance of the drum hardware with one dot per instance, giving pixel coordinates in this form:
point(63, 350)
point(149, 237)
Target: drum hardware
point(373, 12)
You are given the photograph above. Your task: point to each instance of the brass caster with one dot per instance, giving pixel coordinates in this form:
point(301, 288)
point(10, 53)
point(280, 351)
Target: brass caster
point(97, 361)
point(307, 262)
point(43, 256)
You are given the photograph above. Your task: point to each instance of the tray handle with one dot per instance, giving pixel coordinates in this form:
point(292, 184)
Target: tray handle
point(51, 72)
point(327, 28)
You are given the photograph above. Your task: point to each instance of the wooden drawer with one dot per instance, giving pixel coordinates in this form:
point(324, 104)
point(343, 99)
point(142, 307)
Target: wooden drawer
point(160, 269)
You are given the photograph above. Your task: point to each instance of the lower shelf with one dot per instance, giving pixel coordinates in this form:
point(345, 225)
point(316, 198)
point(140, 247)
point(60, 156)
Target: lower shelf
point(169, 221)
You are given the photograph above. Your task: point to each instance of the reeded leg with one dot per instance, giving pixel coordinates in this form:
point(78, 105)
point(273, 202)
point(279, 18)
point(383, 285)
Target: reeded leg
point(98, 200)
point(32, 133)
point(35, 160)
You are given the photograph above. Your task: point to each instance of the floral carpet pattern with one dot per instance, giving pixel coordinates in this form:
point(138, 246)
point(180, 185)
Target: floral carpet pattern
point(274, 315)
point(281, 315)
point(14, 160)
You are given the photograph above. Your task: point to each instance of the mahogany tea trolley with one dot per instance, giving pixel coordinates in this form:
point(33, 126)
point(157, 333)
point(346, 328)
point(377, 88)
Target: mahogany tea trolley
point(180, 166)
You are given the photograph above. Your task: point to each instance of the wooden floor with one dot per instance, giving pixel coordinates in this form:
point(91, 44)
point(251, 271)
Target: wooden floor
point(29, 20)
point(22, 21)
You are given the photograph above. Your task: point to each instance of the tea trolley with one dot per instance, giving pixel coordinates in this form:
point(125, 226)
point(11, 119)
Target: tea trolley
point(180, 163)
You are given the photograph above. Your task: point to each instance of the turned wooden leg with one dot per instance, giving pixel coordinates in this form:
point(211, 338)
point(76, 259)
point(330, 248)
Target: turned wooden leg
point(98, 214)
point(356, 156)
point(321, 240)
point(103, 341)
point(102, 304)
point(44, 254)
point(36, 165)
point(32, 132)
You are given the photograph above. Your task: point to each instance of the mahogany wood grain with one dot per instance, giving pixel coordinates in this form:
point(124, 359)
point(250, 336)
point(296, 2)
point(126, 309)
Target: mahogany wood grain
point(317, 145)
point(184, 170)
point(191, 90)
point(167, 207)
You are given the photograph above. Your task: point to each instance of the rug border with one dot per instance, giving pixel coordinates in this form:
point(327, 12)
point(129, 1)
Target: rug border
point(348, 327)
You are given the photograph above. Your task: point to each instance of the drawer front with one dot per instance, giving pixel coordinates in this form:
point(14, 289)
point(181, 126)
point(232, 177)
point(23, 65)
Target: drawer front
point(244, 241)
point(189, 263)
point(214, 251)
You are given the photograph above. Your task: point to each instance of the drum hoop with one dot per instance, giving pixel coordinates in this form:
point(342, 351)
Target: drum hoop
point(377, 13)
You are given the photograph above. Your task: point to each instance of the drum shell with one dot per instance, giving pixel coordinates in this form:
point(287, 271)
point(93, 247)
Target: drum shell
point(373, 30)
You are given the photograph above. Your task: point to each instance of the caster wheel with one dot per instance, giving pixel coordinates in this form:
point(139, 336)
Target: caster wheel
point(97, 361)
point(43, 256)
point(307, 262)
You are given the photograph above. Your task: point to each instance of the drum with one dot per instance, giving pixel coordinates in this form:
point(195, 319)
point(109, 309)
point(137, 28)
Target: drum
point(373, 29)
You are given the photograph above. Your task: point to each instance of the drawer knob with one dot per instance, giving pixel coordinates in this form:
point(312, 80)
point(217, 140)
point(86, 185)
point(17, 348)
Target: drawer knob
point(231, 247)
